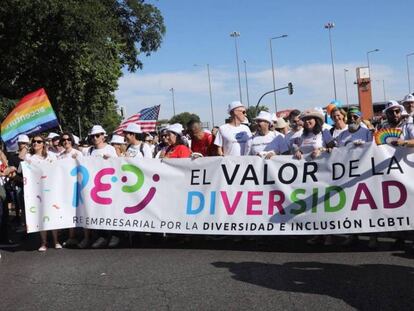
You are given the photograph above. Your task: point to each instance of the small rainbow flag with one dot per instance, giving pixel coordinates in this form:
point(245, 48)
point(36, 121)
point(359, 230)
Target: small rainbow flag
point(387, 135)
point(32, 114)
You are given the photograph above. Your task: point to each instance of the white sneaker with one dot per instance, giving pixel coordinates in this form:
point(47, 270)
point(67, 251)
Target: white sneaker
point(100, 243)
point(84, 244)
point(113, 242)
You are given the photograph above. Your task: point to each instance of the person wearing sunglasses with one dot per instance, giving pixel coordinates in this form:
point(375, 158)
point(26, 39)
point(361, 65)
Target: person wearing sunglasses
point(234, 138)
point(356, 133)
point(68, 142)
point(38, 154)
point(54, 148)
point(135, 139)
point(99, 148)
point(394, 113)
point(163, 144)
point(266, 143)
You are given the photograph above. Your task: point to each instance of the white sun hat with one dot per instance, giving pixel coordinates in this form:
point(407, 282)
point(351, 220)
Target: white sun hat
point(408, 99)
point(234, 105)
point(133, 128)
point(97, 129)
point(176, 128)
point(75, 139)
point(264, 116)
point(117, 139)
point(23, 139)
point(393, 104)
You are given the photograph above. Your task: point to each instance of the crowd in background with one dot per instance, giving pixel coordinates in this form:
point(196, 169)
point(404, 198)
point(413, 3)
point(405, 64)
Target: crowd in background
point(301, 134)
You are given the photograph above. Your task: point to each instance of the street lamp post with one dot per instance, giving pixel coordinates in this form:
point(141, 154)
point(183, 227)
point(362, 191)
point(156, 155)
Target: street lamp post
point(329, 26)
point(235, 35)
point(369, 65)
point(346, 86)
point(369, 52)
point(210, 93)
point(247, 84)
point(408, 72)
point(173, 101)
point(273, 67)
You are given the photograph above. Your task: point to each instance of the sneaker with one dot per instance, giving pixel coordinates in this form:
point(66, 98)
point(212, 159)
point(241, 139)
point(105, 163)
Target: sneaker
point(42, 248)
point(314, 240)
point(58, 246)
point(373, 243)
point(100, 243)
point(350, 240)
point(84, 244)
point(114, 242)
point(70, 243)
point(21, 228)
point(328, 240)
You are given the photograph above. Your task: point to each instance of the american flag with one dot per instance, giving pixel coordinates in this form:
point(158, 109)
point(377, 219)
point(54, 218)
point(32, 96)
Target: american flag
point(146, 118)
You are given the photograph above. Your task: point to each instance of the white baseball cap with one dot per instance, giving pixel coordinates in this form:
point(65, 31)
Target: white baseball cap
point(117, 139)
point(52, 135)
point(265, 116)
point(408, 99)
point(176, 128)
point(133, 128)
point(97, 129)
point(23, 139)
point(234, 105)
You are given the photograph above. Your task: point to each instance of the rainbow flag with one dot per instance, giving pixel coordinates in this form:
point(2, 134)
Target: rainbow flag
point(32, 114)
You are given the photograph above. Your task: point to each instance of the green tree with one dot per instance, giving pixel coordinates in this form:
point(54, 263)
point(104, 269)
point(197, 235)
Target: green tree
point(184, 118)
point(75, 49)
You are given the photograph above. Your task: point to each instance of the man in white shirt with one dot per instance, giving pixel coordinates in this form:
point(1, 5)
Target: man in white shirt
point(234, 138)
point(266, 143)
point(355, 133)
point(408, 103)
point(99, 147)
point(136, 147)
point(296, 128)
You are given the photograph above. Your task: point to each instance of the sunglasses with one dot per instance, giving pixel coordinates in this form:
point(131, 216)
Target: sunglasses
point(37, 142)
point(65, 139)
point(97, 135)
point(394, 111)
point(127, 133)
point(243, 112)
point(353, 117)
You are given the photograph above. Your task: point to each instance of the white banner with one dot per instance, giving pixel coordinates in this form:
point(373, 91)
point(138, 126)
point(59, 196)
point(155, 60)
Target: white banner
point(351, 190)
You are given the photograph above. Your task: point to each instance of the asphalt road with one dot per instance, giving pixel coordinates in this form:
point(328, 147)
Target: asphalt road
point(172, 274)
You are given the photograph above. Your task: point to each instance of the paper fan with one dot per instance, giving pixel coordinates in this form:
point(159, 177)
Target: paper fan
point(386, 136)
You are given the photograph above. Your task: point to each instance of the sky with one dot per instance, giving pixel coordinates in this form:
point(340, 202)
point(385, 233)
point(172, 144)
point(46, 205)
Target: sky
point(198, 33)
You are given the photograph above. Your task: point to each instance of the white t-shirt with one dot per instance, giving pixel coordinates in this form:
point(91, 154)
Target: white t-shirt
point(291, 136)
point(308, 143)
point(336, 132)
point(34, 158)
point(108, 150)
point(134, 151)
point(235, 140)
point(347, 137)
point(72, 154)
point(272, 141)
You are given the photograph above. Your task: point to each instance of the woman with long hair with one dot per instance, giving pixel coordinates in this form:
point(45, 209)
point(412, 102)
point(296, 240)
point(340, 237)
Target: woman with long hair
point(314, 140)
point(38, 153)
point(176, 146)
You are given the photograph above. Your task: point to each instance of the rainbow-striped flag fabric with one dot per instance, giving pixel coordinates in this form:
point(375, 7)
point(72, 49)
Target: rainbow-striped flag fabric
point(32, 114)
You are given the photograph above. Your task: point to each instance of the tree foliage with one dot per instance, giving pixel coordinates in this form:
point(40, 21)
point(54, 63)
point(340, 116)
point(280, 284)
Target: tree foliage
point(184, 118)
point(75, 49)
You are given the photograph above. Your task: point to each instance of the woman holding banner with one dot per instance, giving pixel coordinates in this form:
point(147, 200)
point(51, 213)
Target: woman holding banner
point(38, 153)
point(176, 147)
